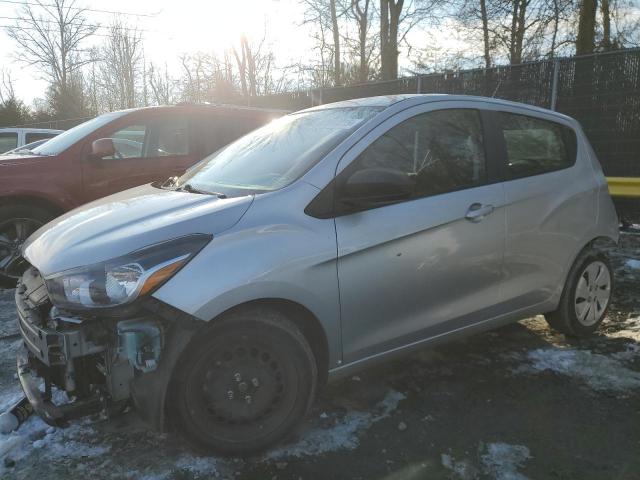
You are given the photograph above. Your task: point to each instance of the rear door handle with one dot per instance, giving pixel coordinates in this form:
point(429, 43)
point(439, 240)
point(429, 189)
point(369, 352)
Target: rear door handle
point(478, 211)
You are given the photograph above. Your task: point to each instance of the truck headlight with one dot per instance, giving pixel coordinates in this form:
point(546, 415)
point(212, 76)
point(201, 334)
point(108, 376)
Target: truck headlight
point(123, 279)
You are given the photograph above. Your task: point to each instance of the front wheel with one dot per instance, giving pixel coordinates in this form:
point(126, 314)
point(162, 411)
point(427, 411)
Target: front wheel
point(245, 384)
point(586, 296)
point(16, 224)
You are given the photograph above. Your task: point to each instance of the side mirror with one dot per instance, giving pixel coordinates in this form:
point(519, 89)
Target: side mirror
point(374, 187)
point(103, 147)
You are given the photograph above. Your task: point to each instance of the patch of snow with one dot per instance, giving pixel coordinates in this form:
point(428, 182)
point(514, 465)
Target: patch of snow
point(461, 469)
point(342, 435)
point(502, 461)
point(630, 329)
point(205, 466)
point(600, 372)
point(633, 263)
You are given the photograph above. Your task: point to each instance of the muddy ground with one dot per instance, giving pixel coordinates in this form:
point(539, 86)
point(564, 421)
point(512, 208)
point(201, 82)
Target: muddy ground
point(519, 402)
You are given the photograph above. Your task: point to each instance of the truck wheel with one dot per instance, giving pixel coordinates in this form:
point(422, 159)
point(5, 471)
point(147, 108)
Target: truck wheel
point(16, 224)
point(586, 295)
point(244, 384)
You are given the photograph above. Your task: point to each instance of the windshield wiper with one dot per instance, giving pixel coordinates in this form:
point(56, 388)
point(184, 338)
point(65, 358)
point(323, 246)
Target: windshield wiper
point(187, 187)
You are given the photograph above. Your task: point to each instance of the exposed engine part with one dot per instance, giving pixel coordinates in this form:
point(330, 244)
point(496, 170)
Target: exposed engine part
point(140, 342)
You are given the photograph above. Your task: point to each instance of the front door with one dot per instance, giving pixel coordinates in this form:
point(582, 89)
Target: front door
point(147, 150)
point(431, 262)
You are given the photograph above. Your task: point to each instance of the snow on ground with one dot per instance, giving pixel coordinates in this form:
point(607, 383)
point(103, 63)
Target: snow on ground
point(502, 461)
point(343, 433)
point(598, 371)
point(498, 461)
point(603, 372)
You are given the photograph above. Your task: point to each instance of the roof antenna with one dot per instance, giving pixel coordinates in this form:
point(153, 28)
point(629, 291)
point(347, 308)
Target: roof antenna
point(496, 90)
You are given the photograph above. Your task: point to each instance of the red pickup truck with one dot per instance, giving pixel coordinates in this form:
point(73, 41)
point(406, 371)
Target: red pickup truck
point(110, 153)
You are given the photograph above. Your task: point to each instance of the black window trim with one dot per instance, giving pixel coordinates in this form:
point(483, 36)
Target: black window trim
point(500, 146)
point(323, 206)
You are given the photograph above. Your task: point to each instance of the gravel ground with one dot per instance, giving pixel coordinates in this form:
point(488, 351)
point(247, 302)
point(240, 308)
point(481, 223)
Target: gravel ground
point(519, 402)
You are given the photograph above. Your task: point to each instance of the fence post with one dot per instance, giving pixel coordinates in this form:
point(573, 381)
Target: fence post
point(554, 83)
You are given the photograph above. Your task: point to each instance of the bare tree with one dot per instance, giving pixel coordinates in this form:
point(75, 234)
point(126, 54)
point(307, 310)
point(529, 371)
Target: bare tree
point(361, 11)
point(121, 64)
point(324, 15)
point(50, 36)
point(397, 19)
point(161, 84)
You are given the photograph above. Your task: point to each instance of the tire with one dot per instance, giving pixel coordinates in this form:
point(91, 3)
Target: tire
point(244, 384)
point(16, 224)
point(586, 295)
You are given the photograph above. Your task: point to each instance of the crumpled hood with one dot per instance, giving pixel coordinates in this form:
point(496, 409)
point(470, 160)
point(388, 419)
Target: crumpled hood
point(124, 222)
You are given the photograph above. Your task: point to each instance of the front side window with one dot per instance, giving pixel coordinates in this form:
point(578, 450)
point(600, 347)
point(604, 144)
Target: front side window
point(163, 138)
point(433, 153)
point(8, 141)
point(536, 146)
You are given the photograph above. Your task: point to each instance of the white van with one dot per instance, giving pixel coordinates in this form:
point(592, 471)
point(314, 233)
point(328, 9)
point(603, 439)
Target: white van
point(11, 138)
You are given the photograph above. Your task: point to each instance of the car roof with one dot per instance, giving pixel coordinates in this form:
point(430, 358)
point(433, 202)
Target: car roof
point(30, 130)
point(411, 99)
point(205, 106)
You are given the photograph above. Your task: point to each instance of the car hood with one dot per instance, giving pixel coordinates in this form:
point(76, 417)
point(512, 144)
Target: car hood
point(127, 221)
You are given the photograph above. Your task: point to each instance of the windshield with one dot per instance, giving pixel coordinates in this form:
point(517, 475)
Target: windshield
point(277, 154)
point(60, 143)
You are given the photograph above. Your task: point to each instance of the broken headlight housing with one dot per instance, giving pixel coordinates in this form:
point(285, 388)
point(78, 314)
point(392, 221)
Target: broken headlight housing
point(123, 279)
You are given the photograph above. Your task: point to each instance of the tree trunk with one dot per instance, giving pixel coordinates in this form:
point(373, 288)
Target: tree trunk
point(384, 38)
point(585, 42)
point(606, 24)
point(485, 33)
point(389, 24)
point(337, 64)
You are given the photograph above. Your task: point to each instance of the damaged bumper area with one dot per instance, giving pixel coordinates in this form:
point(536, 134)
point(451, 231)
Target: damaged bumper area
point(103, 362)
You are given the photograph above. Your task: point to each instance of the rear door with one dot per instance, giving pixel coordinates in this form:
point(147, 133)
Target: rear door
point(431, 263)
point(147, 149)
point(550, 204)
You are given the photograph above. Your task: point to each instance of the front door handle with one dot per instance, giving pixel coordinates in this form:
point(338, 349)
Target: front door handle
point(477, 212)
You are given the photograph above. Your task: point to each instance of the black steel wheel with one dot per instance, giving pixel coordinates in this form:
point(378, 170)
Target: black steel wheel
point(244, 384)
point(16, 224)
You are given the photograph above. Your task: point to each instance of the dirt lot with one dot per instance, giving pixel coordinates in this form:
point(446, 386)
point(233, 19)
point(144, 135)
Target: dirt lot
point(519, 402)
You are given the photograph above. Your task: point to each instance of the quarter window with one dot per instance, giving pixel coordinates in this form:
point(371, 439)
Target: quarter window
point(439, 152)
point(536, 146)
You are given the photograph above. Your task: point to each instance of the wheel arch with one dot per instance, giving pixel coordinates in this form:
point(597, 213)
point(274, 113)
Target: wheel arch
point(53, 208)
point(600, 242)
point(303, 318)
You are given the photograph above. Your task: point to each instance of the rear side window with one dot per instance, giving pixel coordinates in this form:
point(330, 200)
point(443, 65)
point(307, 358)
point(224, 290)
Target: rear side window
point(8, 141)
point(536, 146)
point(35, 136)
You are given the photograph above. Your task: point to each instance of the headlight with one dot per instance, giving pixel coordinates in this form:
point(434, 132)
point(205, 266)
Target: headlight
point(123, 279)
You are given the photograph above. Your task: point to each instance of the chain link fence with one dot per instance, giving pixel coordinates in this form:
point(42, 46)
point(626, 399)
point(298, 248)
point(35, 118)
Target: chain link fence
point(601, 91)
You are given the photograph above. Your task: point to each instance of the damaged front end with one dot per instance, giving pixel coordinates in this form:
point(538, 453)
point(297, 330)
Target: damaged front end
point(103, 360)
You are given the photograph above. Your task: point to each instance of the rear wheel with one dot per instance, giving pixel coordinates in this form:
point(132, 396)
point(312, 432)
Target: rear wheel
point(16, 224)
point(586, 296)
point(244, 384)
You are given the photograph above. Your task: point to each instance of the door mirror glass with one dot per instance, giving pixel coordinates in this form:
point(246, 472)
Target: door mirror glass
point(102, 148)
point(375, 186)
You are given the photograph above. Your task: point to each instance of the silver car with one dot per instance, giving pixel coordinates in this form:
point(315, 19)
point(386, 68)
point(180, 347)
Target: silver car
point(218, 303)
